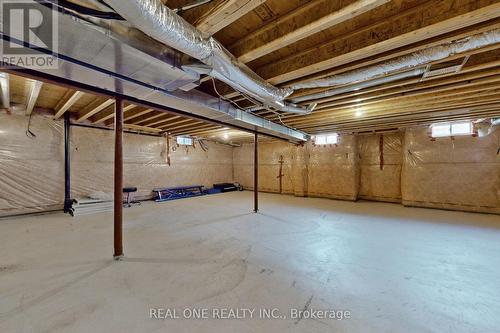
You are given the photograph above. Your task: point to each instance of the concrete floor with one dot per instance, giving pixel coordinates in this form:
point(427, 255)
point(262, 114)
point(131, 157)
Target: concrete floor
point(395, 269)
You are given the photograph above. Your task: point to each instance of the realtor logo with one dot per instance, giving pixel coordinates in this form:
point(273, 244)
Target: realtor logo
point(29, 33)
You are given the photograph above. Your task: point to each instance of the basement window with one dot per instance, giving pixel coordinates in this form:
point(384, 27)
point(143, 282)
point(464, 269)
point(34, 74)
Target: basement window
point(326, 139)
point(184, 141)
point(451, 129)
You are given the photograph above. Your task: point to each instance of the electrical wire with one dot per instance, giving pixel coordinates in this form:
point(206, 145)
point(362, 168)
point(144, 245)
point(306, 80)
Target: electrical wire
point(224, 98)
point(251, 100)
point(68, 5)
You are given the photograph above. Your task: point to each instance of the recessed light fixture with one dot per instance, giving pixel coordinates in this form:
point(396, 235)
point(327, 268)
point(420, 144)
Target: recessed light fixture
point(359, 112)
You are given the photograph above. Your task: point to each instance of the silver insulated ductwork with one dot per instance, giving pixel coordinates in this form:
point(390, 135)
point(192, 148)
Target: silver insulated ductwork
point(163, 24)
point(415, 59)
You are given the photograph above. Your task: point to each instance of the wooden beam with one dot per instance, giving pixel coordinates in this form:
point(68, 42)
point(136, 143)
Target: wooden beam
point(426, 116)
point(193, 128)
point(225, 13)
point(202, 131)
point(336, 116)
point(436, 80)
point(176, 123)
point(432, 20)
point(5, 89)
point(284, 32)
point(396, 94)
point(111, 114)
point(153, 117)
point(95, 107)
point(69, 99)
point(35, 88)
point(142, 128)
point(440, 100)
point(158, 122)
point(196, 122)
point(137, 114)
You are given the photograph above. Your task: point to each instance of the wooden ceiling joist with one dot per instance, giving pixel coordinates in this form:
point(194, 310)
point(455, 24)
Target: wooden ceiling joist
point(205, 131)
point(142, 128)
point(434, 19)
point(111, 114)
point(69, 99)
point(192, 129)
point(136, 113)
point(436, 106)
point(266, 40)
point(150, 117)
point(171, 125)
point(405, 92)
point(95, 107)
point(225, 13)
point(417, 81)
point(162, 121)
point(171, 129)
point(34, 92)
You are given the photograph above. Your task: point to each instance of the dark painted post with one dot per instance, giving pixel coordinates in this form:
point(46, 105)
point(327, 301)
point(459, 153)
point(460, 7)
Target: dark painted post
point(68, 202)
point(118, 197)
point(256, 174)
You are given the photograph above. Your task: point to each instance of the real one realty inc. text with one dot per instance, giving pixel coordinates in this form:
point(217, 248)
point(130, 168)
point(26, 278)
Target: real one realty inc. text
point(247, 313)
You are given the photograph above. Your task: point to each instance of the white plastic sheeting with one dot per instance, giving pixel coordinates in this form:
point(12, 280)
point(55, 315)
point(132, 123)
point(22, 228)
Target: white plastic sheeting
point(32, 169)
point(462, 173)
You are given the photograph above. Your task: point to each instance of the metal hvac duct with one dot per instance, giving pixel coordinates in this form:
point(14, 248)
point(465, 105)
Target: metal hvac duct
point(360, 85)
point(97, 57)
point(161, 23)
point(419, 58)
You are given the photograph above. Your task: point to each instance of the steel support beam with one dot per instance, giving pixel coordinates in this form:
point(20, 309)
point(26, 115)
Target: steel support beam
point(256, 174)
point(118, 197)
point(68, 201)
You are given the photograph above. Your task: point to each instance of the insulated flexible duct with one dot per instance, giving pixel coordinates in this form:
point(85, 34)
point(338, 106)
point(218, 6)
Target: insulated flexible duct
point(360, 85)
point(163, 24)
point(419, 58)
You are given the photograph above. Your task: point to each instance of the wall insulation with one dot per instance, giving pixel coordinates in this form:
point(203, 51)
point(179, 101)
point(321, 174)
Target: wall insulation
point(318, 171)
point(32, 169)
point(461, 173)
point(380, 166)
point(144, 163)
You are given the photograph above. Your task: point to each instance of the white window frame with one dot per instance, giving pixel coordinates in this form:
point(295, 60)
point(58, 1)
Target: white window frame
point(450, 129)
point(183, 140)
point(326, 139)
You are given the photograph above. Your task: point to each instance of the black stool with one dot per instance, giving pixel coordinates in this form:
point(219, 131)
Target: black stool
point(129, 190)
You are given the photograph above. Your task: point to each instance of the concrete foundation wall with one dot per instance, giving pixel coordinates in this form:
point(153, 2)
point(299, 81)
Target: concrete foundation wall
point(32, 169)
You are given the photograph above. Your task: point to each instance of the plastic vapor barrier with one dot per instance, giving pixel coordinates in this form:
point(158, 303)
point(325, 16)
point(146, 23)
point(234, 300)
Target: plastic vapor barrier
point(462, 173)
point(32, 169)
point(144, 164)
point(322, 171)
point(333, 169)
point(380, 166)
